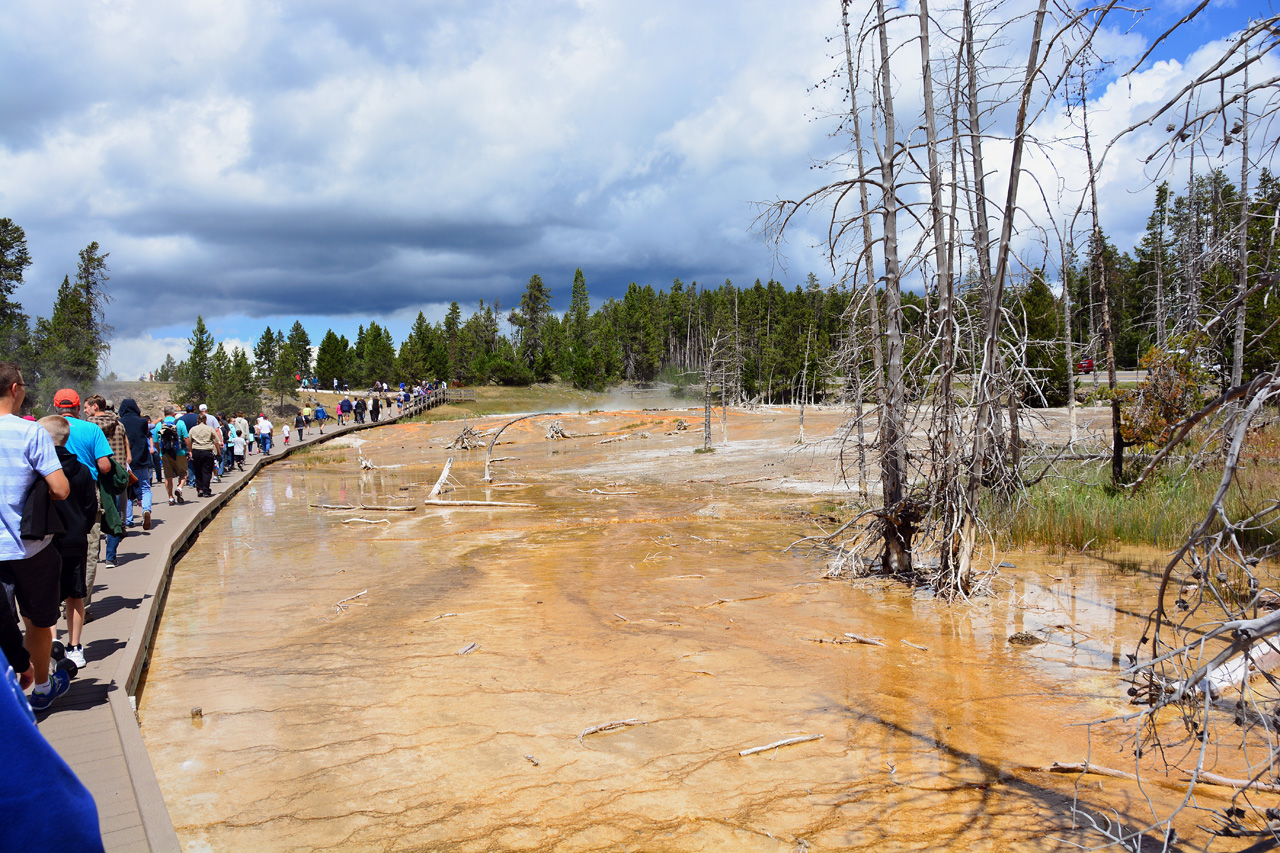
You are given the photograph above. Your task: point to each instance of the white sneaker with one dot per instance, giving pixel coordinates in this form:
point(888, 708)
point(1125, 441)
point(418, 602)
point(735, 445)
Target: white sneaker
point(75, 654)
point(177, 493)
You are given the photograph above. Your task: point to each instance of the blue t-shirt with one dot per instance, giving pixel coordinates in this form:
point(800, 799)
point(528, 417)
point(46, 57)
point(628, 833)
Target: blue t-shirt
point(26, 452)
point(182, 434)
point(89, 443)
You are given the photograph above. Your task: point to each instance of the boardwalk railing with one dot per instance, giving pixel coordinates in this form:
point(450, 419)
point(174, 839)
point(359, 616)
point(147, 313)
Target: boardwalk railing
point(419, 403)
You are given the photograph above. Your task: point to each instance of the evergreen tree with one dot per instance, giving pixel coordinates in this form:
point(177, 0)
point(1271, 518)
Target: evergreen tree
point(64, 353)
point(196, 383)
point(453, 341)
point(300, 350)
point(281, 381)
point(529, 320)
point(332, 359)
point(242, 390)
point(379, 356)
point(15, 333)
point(91, 280)
point(168, 369)
point(265, 355)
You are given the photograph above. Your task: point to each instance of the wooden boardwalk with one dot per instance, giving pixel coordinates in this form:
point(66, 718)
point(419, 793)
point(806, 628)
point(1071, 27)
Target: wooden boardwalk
point(94, 726)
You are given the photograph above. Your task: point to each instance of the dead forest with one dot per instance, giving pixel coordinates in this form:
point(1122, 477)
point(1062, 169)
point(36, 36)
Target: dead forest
point(969, 162)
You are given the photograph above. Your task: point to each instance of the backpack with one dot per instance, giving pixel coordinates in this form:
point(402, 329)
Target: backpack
point(169, 440)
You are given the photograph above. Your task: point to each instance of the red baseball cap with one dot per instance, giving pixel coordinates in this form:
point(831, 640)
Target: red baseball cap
point(66, 399)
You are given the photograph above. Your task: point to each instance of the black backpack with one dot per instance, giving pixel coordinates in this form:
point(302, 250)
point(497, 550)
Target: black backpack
point(169, 440)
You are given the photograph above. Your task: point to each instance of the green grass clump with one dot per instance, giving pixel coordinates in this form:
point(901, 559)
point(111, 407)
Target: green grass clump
point(1087, 512)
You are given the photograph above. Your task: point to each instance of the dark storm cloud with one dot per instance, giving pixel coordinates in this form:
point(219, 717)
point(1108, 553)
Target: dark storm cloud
point(345, 161)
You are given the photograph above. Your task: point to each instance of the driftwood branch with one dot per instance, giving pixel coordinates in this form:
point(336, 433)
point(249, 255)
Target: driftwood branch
point(389, 508)
point(430, 502)
point(444, 476)
point(608, 727)
point(778, 744)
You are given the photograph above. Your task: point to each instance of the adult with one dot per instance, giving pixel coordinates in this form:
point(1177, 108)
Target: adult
point(138, 435)
point(204, 442)
point(189, 420)
point(90, 445)
point(344, 410)
point(212, 421)
point(374, 409)
point(228, 459)
point(30, 570)
point(170, 436)
point(265, 430)
point(360, 409)
point(321, 416)
point(242, 428)
point(157, 463)
point(98, 411)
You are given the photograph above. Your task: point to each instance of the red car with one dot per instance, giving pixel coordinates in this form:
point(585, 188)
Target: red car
point(1084, 366)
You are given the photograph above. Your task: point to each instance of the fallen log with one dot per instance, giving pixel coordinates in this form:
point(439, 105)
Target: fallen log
point(608, 727)
point(388, 508)
point(606, 494)
point(778, 744)
point(331, 506)
point(365, 521)
point(444, 476)
point(430, 502)
point(866, 641)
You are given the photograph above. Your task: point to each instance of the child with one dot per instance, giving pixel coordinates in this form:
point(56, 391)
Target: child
point(77, 512)
point(241, 443)
point(284, 430)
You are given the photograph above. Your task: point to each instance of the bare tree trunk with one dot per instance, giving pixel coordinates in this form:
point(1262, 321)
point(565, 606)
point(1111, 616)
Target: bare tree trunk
point(1066, 342)
point(1104, 290)
point(899, 526)
point(945, 408)
point(1237, 352)
point(877, 353)
point(987, 392)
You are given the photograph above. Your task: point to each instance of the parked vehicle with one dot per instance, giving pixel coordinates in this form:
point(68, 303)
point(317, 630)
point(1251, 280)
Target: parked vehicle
point(1084, 365)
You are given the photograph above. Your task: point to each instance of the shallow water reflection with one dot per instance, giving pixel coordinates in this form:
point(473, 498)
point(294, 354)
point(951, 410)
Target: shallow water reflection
point(361, 726)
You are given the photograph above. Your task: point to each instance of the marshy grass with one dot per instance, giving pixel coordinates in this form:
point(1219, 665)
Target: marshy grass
point(1086, 512)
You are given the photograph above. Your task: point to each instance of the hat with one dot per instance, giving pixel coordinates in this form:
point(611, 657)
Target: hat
point(204, 407)
point(66, 399)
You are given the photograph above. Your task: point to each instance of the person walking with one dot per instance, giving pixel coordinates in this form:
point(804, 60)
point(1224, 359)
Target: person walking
point(98, 411)
point(265, 430)
point(76, 513)
point(140, 463)
point(204, 442)
point(28, 567)
point(170, 435)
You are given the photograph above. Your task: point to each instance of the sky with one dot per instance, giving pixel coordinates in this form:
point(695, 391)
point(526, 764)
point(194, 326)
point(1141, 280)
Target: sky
point(258, 162)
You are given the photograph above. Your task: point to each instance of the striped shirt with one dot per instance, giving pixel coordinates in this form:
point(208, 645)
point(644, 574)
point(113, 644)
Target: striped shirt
point(26, 452)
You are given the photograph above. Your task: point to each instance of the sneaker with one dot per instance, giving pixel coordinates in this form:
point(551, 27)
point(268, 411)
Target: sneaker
point(75, 654)
point(146, 520)
point(109, 564)
point(172, 501)
point(59, 683)
point(177, 493)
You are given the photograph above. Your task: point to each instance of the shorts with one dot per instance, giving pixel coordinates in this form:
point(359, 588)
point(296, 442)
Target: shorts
point(175, 467)
point(33, 584)
point(74, 574)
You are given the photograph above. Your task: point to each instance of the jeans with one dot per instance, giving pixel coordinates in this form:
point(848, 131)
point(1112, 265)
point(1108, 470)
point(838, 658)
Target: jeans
point(143, 473)
point(266, 444)
point(113, 542)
